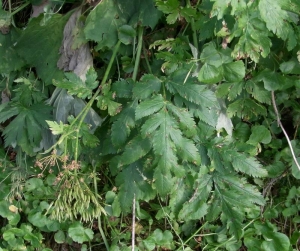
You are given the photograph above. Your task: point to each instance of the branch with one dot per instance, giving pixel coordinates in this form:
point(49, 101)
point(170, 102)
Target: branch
point(282, 128)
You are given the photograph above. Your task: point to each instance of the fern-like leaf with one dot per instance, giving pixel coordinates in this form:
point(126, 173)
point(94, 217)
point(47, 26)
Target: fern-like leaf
point(149, 107)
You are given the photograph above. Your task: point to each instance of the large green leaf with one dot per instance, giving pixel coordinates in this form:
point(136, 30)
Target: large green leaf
point(27, 127)
point(10, 61)
point(139, 12)
point(39, 45)
point(253, 38)
point(149, 107)
point(102, 24)
point(275, 17)
point(133, 181)
point(80, 234)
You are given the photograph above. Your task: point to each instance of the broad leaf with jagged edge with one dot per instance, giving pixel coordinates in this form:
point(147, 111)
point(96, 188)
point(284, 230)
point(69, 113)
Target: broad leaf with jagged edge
point(75, 85)
point(196, 207)
point(26, 128)
point(234, 196)
point(253, 38)
point(147, 85)
point(44, 41)
point(102, 24)
point(191, 91)
point(276, 19)
point(246, 108)
point(134, 150)
point(149, 107)
point(122, 125)
point(133, 181)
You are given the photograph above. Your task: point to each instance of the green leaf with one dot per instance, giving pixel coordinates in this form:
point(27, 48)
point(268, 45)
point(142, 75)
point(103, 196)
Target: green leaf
point(123, 88)
point(133, 181)
point(76, 86)
point(140, 12)
point(273, 240)
point(55, 128)
point(148, 85)
point(246, 108)
point(27, 127)
point(10, 60)
point(260, 134)
point(13, 218)
point(248, 165)
point(102, 24)
point(80, 234)
point(134, 150)
point(149, 107)
point(195, 93)
point(234, 72)
point(210, 74)
point(186, 120)
point(253, 38)
point(105, 102)
point(121, 128)
point(275, 17)
point(60, 237)
point(164, 240)
point(126, 34)
point(45, 45)
point(196, 207)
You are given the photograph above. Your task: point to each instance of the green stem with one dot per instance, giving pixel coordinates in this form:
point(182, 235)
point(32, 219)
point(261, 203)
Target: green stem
point(146, 59)
point(193, 235)
point(19, 8)
point(86, 109)
point(99, 216)
point(138, 54)
point(195, 39)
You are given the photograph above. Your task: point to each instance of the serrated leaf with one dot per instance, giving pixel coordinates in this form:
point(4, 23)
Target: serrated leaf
point(248, 165)
point(123, 88)
point(196, 207)
point(195, 93)
point(76, 86)
point(246, 108)
point(26, 128)
point(134, 150)
point(253, 38)
point(105, 102)
point(56, 128)
point(234, 72)
point(10, 61)
point(260, 134)
point(133, 181)
point(275, 17)
point(121, 128)
point(187, 151)
point(149, 107)
point(186, 121)
point(148, 85)
point(102, 24)
point(210, 74)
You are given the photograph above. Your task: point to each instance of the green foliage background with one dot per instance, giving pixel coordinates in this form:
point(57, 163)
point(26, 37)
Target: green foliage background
point(170, 138)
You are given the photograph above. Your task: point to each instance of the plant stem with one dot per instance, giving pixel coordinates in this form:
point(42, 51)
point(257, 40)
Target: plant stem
point(138, 54)
point(86, 109)
point(99, 216)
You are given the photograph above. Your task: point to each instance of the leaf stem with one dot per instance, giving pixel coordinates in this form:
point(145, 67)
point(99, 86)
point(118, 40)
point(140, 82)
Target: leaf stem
point(86, 109)
point(138, 54)
point(99, 216)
